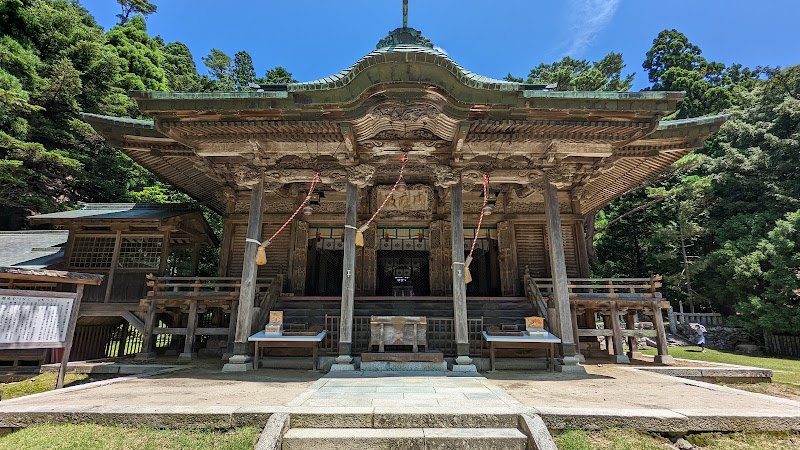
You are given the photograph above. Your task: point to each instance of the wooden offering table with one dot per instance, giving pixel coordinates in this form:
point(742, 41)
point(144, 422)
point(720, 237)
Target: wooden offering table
point(264, 340)
point(546, 340)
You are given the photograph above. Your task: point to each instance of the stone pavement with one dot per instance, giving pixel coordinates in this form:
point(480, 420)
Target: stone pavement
point(607, 396)
point(398, 389)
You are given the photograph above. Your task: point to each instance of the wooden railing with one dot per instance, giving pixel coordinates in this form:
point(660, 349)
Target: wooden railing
point(606, 288)
point(534, 294)
point(201, 287)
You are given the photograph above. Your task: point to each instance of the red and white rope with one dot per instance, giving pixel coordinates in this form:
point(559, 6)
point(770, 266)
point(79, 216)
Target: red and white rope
point(480, 219)
point(403, 160)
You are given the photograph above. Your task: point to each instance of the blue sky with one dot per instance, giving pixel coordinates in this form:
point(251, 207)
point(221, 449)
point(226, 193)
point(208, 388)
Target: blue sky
point(314, 38)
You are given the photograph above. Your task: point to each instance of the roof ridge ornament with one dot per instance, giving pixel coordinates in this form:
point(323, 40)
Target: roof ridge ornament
point(405, 35)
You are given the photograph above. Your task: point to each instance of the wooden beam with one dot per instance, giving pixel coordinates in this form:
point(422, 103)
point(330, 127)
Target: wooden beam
point(663, 356)
point(57, 276)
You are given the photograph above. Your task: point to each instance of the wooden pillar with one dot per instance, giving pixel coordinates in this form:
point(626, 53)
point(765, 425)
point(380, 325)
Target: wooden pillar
point(619, 354)
point(663, 356)
point(459, 283)
point(225, 246)
point(191, 327)
point(147, 351)
point(348, 277)
point(73, 322)
point(241, 346)
point(162, 267)
point(573, 313)
point(558, 272)
point(195, 259)
point(114, 264)
point(123, 339)
point(633, 341)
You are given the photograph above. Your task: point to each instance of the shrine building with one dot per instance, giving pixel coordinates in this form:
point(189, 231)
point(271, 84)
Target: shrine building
point(435, 150)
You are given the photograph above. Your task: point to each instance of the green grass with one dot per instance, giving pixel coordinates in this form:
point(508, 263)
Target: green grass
point(611, 439)
point(87, 436)
point(615, 439)
point(43, 383)
point(784, 370)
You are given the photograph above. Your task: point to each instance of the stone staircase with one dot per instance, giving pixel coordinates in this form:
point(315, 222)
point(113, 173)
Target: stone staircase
point(403, 429)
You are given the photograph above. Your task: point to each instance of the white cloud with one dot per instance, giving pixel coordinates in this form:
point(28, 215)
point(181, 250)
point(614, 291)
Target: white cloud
point(587, 19)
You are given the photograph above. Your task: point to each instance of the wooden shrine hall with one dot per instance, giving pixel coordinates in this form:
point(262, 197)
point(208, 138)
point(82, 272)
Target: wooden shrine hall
point(410, 134)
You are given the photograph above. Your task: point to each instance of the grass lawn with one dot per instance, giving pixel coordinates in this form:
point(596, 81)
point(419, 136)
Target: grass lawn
point(785, 371)
point(44, 382)
point(615, 439)
point(79, 437)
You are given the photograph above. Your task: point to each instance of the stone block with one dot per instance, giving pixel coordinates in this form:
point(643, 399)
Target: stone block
point(538, 435)
point(464, 368)
point(237, 367)
point(667, 360)
point(660, 420)
point(741, 421)
point(576, 369)
point(342, 367)
point(272, 434)
point(433, 417)
point(348, 438)
point(395, 366)
point(402, 357)
point(475, 438)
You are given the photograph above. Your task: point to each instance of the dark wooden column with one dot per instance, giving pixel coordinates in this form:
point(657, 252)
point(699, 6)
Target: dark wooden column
point(244, 320)
point(459, 284)
point(191, 328)
point(147, 351)
point(663, 356)
point(558, 271)
point(348, 278)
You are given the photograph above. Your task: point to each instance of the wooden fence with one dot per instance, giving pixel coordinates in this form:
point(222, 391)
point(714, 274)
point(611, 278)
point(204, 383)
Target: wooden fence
point(711, 319)
point(782, 345)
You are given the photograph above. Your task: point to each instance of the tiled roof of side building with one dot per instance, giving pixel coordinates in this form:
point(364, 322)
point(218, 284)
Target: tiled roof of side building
point(32, 249)
point(120, 211)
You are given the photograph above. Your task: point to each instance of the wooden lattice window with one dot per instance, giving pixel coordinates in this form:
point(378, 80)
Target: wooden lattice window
point(140, 253)
point(92, 252)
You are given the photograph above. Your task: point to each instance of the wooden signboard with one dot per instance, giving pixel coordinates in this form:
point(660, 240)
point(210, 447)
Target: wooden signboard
point(34, 319)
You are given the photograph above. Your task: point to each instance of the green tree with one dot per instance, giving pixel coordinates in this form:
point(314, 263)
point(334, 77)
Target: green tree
point(277, 75)
point(219, 66)
point(772, 271)
point(179, 67)
point(675, 64)
point(581, 75)
point(143, 7)
point(242, 71)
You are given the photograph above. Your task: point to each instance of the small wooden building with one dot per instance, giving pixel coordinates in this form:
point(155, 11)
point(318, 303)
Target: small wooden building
point(125, 242)
point(551, 158)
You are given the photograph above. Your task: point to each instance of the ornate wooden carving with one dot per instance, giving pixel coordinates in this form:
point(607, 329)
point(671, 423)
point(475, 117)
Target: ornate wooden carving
point(299, 255)
point(509, 274)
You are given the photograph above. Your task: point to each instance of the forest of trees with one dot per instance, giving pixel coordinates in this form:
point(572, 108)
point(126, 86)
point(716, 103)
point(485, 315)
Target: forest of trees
point(722, 226)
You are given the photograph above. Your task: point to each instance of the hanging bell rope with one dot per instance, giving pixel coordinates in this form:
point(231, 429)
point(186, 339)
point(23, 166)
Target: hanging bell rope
point(261, 255)
point(467, 274)
point(360, 230)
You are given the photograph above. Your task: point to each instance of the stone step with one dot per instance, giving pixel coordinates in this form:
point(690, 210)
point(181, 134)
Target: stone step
point(404, 366)
point(404, 438)
point(402, 417)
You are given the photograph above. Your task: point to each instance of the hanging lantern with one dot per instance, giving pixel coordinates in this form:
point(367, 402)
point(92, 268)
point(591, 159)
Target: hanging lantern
point(420, 236)
point(487, 210)
point(319, 235)
point(386, 235)
point(401, 186)
point(307, 210)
